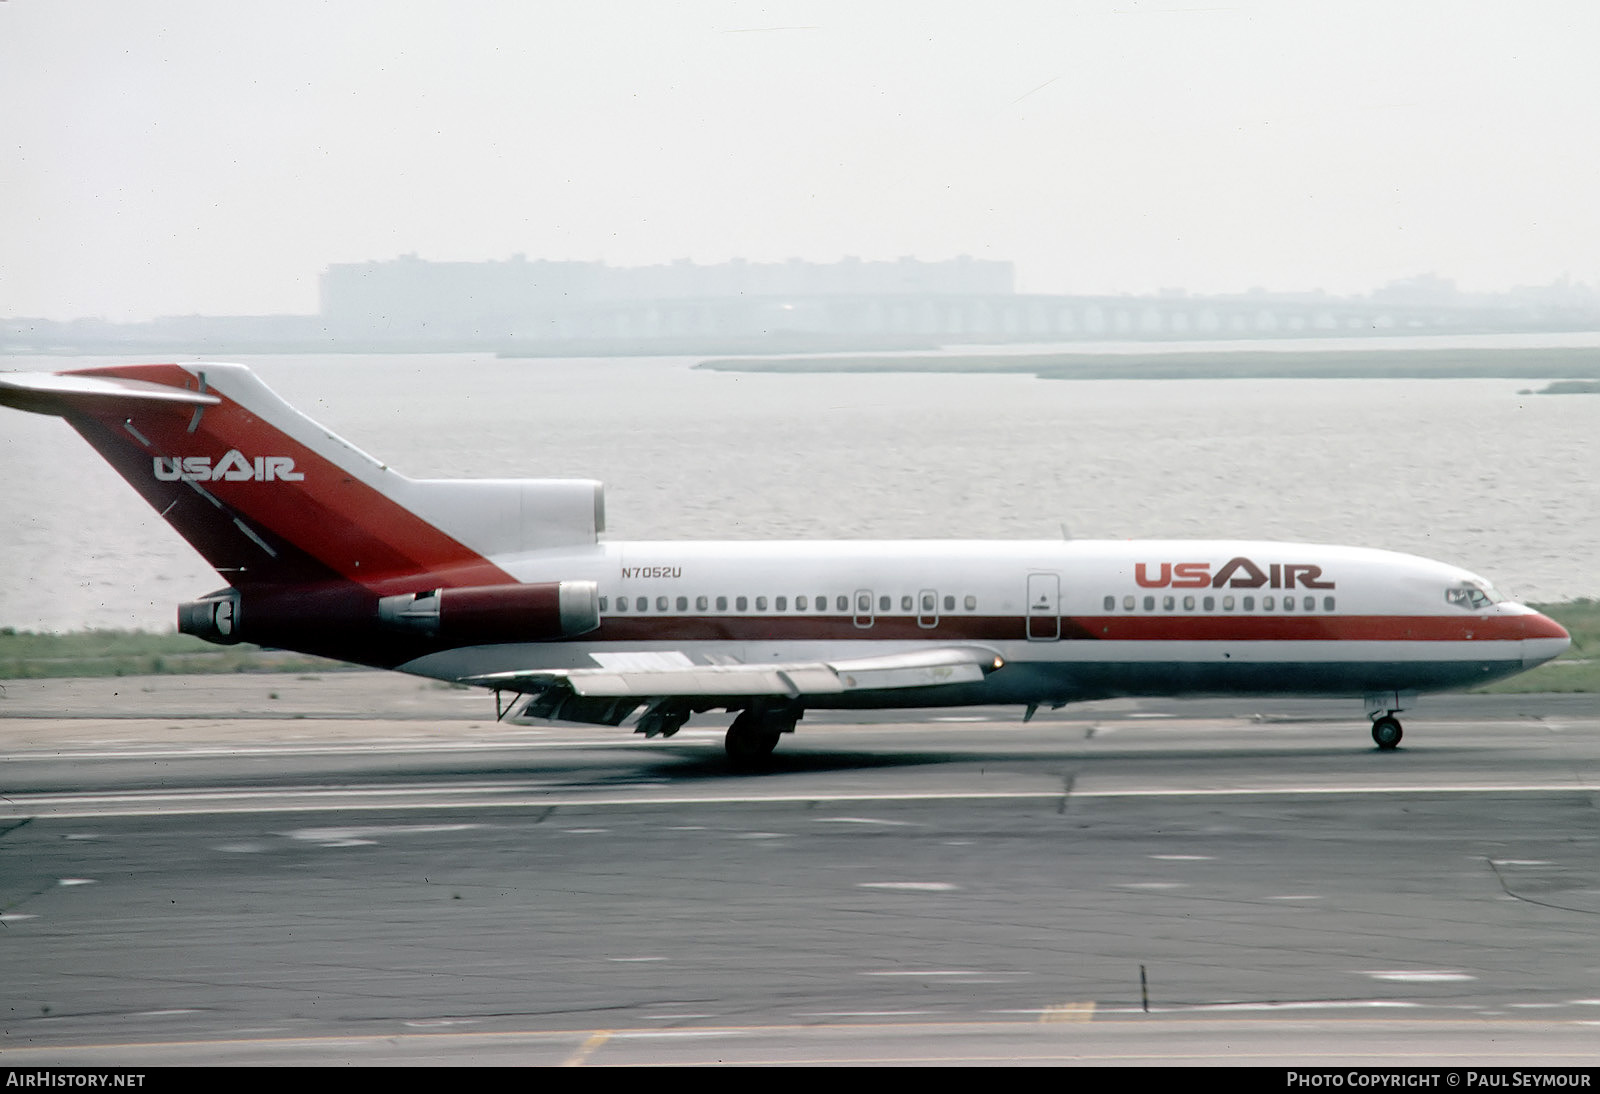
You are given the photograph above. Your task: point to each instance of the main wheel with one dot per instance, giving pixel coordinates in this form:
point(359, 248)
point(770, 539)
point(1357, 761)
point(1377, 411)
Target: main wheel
point(1386, 732)
point(751, 737)
point(745, 745)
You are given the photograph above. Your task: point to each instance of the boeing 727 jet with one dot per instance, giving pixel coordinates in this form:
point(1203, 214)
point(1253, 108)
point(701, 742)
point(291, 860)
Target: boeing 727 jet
point(507, 585)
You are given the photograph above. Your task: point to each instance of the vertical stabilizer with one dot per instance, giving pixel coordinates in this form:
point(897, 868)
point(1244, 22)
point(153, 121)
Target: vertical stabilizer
point(269, 497)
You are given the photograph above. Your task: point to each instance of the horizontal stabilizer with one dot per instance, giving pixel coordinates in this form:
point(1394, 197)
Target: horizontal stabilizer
point(60, 393)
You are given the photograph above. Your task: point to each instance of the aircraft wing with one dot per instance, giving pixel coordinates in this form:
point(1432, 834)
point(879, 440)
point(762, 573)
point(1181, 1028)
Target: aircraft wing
point(610, 693)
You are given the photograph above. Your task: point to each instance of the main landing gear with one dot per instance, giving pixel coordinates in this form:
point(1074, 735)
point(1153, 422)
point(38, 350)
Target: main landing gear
point(755, 732)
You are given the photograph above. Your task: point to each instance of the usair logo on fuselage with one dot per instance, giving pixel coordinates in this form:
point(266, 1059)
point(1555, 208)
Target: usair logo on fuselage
point(233, 467)
point(1236, 573)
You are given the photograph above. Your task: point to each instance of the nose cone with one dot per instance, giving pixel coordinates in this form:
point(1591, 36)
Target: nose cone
point(1543, 638)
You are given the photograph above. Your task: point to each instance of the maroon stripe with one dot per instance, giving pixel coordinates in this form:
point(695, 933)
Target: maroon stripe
point(1299, 628)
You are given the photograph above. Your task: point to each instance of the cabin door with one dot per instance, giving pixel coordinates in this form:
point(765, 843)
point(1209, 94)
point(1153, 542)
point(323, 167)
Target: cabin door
point(1044, 607)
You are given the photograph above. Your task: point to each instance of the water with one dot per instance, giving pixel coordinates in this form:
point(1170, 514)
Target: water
point(1469, 471)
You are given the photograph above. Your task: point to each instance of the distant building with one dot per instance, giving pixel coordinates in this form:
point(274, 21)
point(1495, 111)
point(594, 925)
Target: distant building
point(411, 297)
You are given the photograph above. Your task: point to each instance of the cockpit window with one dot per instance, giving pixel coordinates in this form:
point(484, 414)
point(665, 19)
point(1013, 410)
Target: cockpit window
point(1471, 596)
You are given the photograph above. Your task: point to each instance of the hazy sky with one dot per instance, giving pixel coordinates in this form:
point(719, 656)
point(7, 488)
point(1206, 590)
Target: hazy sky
point(164, 157)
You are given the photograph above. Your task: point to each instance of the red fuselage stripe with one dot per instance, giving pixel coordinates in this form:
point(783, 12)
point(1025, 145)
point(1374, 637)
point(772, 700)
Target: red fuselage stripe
point(1302, 628)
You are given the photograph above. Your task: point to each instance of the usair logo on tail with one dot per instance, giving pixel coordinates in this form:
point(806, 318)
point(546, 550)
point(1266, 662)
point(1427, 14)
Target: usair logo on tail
point(233, 467)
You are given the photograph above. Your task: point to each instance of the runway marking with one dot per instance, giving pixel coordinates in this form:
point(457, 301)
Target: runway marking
point(465, 1040)
point(868, 820)
point(67, 881)
point(353, 837)
point(1313, 1004)
point(351, 799)
point(1068, 1012)
point(1183, 858)
point(587, 1049)
point(1421, 976)
point(910, 886)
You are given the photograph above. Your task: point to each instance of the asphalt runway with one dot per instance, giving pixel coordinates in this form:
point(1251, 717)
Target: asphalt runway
point(365, 868)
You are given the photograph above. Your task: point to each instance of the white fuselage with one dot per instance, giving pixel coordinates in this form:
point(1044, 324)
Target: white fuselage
point(1070, 619)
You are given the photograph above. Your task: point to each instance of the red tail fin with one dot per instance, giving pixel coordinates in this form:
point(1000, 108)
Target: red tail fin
point(268, 497)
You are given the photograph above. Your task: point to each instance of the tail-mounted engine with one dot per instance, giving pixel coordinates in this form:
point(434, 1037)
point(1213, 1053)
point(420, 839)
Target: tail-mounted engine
point(484, 614)
point(471, 616)
point(215, 618)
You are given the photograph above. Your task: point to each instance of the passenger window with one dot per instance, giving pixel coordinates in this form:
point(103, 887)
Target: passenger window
point(1249, 604)
point(622, 603)
point(1149, 603)
point(1111, 603)
point(972, 603)
point(1127, 603)
point(741, 603)
point(842, 604)
point(905, 603)
point(602, 603)
point(761, 603)
point(1327, 603)
point(1188, 603)
point(800, 603)
point(883, 603)
point(1311, 604)
point(661, 603)
point(949, 603)
point(1288, 603)
point(683, 603)
point(1209, 603)
point(864, 603)
point(1168, 603)
point(701, 604)
point(722, 603)
point(1227, 603)
point(1266, 603)
point(641, 603)
point(928, 602)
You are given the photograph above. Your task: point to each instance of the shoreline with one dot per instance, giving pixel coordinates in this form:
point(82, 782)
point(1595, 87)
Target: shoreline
point(1544, 363)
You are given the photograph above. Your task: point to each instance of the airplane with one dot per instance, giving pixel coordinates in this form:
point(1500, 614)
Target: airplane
point(505, 584)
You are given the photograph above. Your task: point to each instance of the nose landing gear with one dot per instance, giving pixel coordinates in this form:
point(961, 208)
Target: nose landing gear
point(1381, 708)
point(1386, 732)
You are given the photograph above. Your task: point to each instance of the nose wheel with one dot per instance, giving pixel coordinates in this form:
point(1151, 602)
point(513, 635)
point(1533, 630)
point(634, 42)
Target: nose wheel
point(1386, 732)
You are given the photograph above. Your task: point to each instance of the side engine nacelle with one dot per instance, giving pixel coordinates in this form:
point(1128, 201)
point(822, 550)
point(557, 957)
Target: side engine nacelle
point(486, 614)
point(474, 615)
